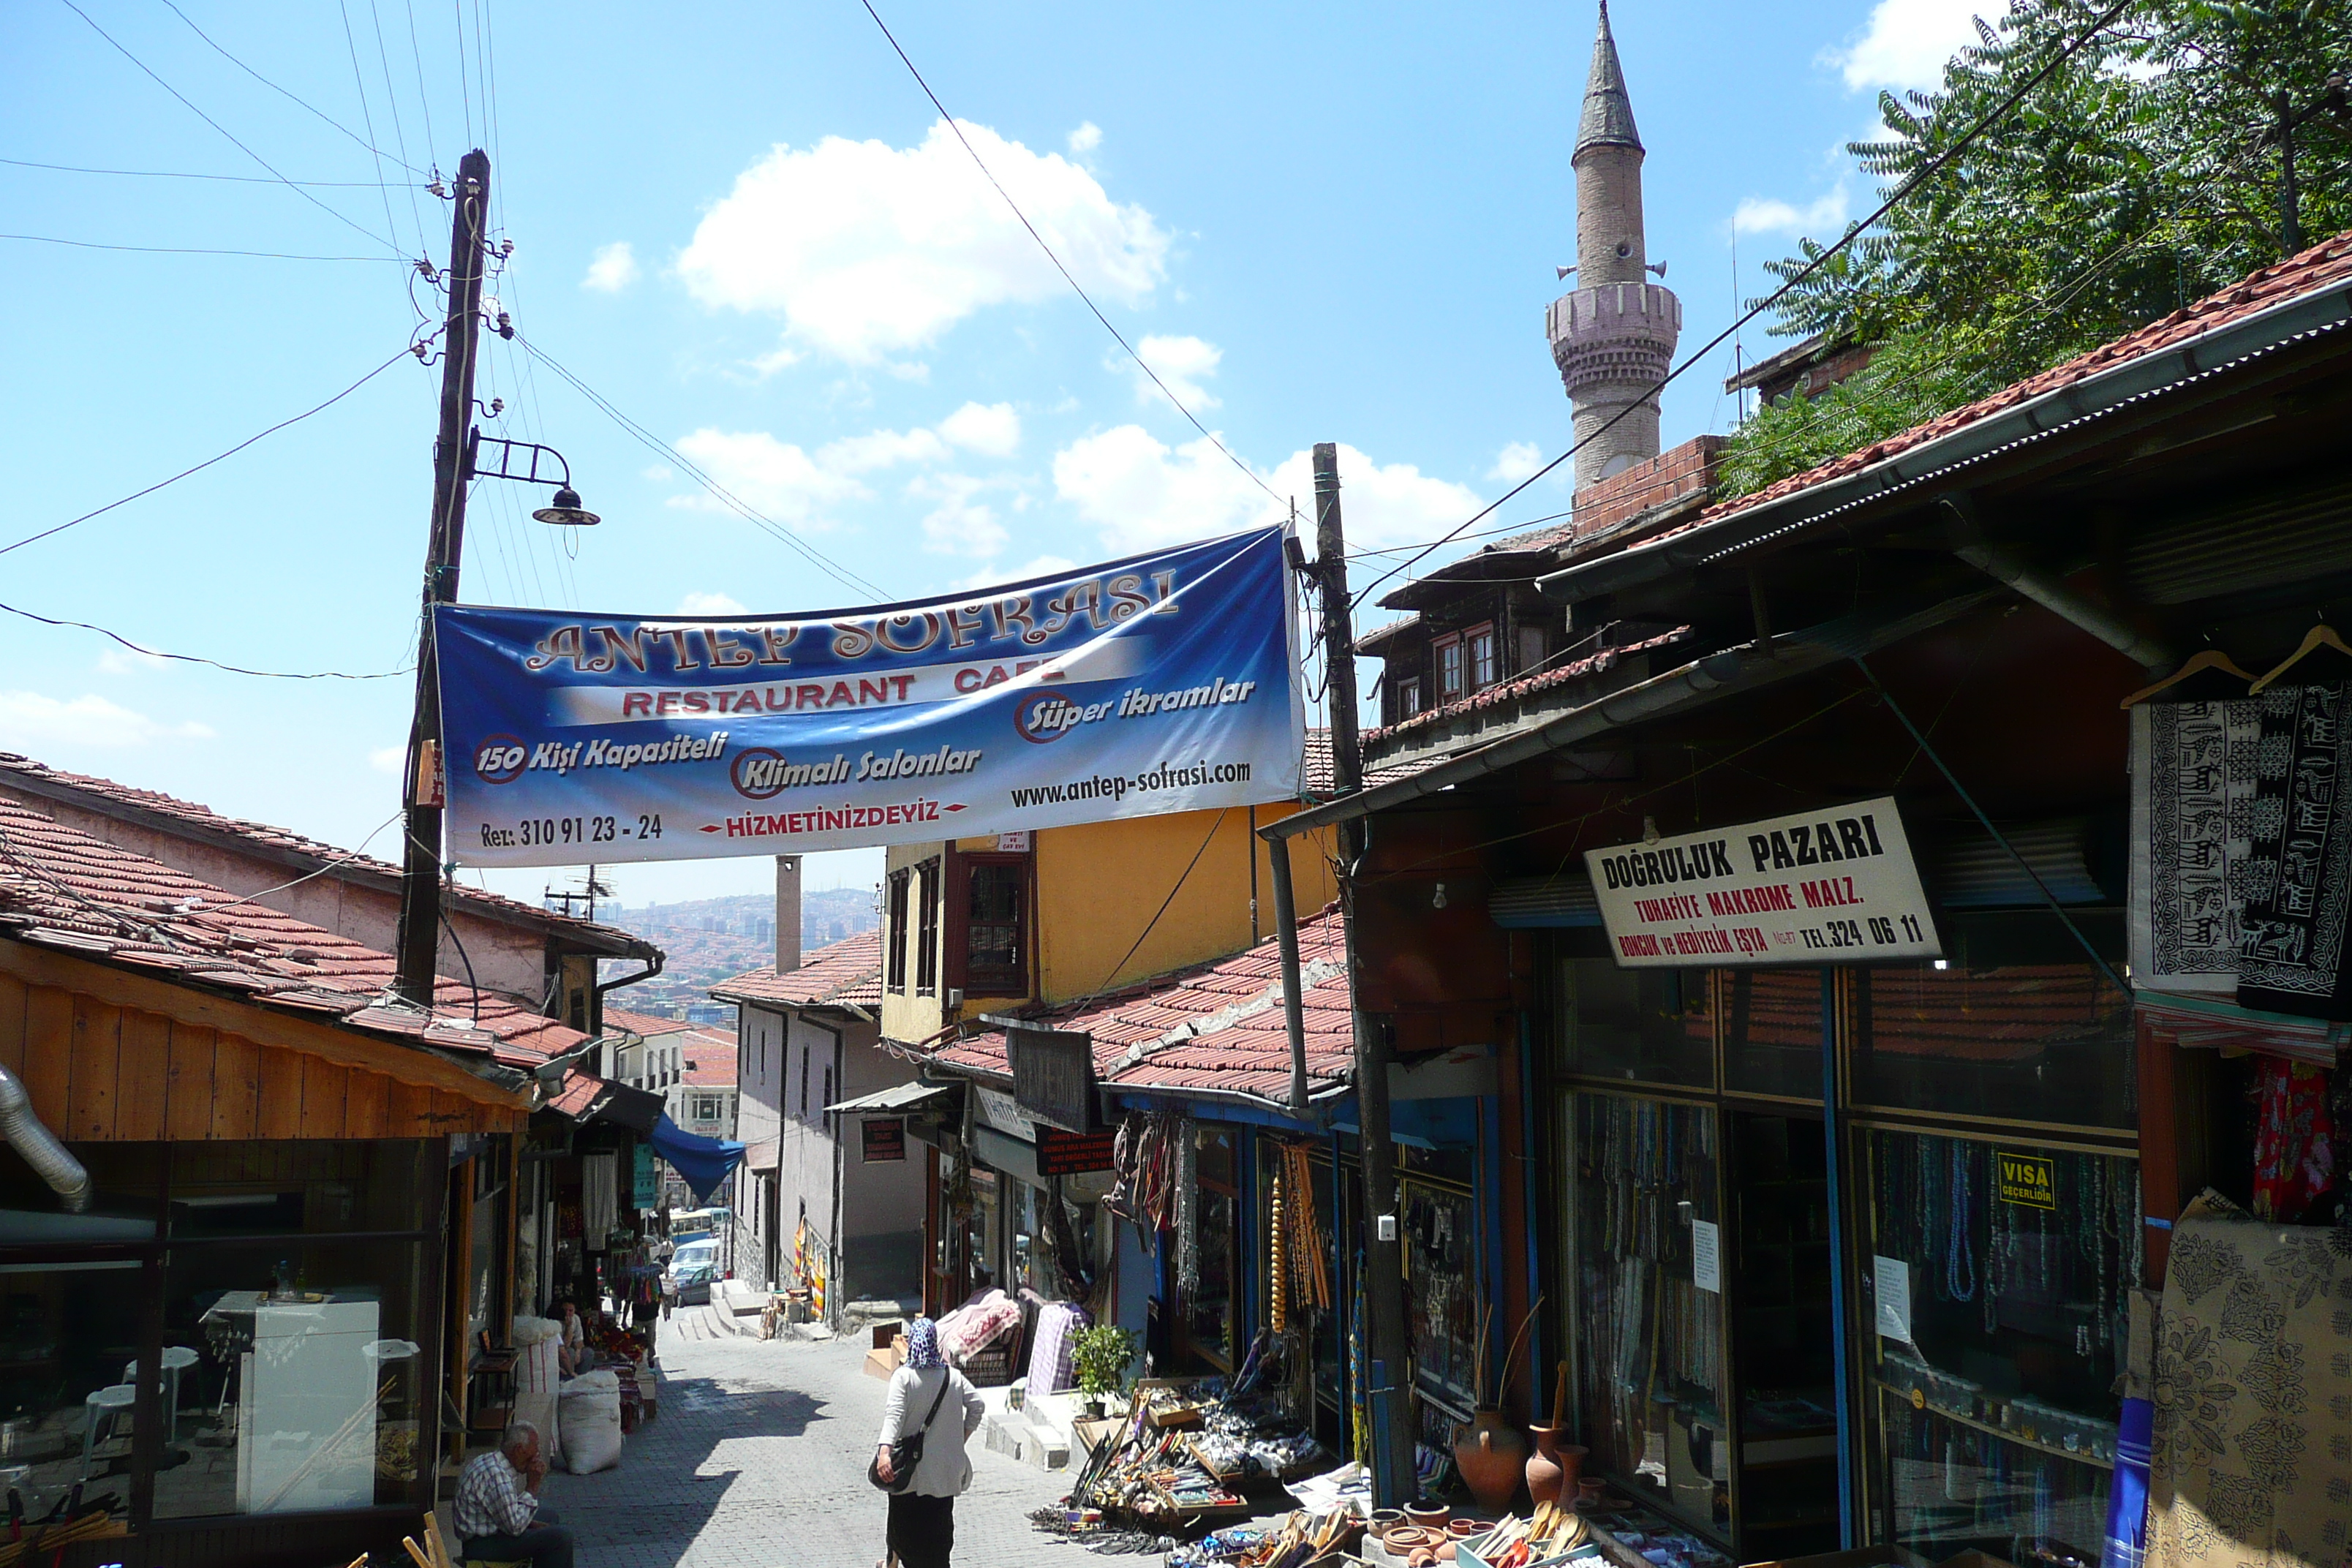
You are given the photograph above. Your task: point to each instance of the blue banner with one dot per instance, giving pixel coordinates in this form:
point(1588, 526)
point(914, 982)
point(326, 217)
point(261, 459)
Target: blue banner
point(1160, 683)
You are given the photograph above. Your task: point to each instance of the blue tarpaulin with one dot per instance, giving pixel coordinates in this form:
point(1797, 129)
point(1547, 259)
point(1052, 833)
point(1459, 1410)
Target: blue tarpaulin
point(705, 1163)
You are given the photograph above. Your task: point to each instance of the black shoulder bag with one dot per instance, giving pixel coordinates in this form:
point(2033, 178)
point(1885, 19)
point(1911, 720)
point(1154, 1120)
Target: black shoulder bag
point(908, 1451)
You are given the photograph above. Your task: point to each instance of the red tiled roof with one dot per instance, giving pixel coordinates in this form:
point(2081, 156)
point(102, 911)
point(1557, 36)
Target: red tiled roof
point(2327, 262)
point(710, 1067)
point(847, 974)
point(645, 1025)
point(108, 797)
point(1217, 1027)
point(61, 888)
point(1511, 691)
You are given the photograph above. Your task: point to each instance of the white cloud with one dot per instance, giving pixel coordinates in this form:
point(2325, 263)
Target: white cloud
point(958, 523)
point(1824, 217)
point(388, 760)
point(702, 604)
point(1084, 139)
point(1182, 363)
point(881, 449)
point(776, 477)
point(866, 250)
point(612, 268)
point(1141, 494)
point(658, 472)
point(989, 576)
point(1516, 462)
point(991, 429)
point(1906, 42)
point(32, 721)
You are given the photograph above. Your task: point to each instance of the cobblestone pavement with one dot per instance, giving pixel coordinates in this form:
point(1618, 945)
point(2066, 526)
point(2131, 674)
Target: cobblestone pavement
point(757, 1459)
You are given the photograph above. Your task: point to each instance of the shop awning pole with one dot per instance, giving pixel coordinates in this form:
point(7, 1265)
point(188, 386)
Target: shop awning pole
point(1841, 1336)
point(1285, 931)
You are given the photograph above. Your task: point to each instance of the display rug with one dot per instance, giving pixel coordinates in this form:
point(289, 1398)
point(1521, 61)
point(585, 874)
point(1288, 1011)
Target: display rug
point(2298, 882)
point(2252, 1427)
point(2193, 768)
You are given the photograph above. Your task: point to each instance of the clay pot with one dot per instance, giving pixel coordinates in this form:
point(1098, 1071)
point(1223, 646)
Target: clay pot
point(1384, 1520)
point(1403, 1538)
point(1554, 1467)
point(1428, 1515)
point(1461, 1529)
point(1590, 1493)
point(1492, 1458)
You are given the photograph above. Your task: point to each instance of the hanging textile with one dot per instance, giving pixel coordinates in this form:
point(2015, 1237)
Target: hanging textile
point(1059, 1323)
point(2298, 883)
point(1187, 1209)
point(600, 1191)
point(2293, 1158)
point(2252, 1396)
point(2193, 767)
point(705, 1164)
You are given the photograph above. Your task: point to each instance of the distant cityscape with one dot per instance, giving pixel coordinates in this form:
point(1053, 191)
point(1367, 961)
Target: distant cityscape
point(711, 940)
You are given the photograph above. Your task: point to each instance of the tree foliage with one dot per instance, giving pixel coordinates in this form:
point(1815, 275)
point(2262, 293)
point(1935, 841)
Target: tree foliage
point(2137, 176)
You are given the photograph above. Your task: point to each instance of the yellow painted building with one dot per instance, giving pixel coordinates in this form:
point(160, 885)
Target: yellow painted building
point(981, 925)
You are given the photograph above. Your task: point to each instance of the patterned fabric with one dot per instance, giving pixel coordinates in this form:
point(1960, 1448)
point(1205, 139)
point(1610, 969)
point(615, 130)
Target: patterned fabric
point(2294, 1158)
point(1058, 1324)
point(2298, 875)
point(2193, 767)
point(2252, 1423)
point(491, 1499)
point(923, 1344)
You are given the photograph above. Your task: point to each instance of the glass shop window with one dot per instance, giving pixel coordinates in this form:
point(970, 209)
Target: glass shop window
point(1997, 1281)
point(314, 1186)
point(2017, 1027)
point(1772, 1032)
point(1209, 1317)
point(293, 1377)
point(68, 1378)
point(1439, 1227)
point(125, 1182)
point(996, 948)
point(981, 1229)
point(1647, 1280)
point(1653, 1025)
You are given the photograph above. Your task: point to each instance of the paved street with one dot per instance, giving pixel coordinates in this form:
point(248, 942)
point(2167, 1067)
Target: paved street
point(757, 1460)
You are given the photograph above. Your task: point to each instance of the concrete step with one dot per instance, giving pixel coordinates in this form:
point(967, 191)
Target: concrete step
point(1026, 1435)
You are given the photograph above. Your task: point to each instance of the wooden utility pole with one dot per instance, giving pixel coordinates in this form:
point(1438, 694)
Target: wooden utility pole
point(420, 861)
point(1391, 1399)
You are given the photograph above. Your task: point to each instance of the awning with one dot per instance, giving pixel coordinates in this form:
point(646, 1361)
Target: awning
point(587, 1098)
point(2217, 1024)
point(896, 1099)
point(705, 1163)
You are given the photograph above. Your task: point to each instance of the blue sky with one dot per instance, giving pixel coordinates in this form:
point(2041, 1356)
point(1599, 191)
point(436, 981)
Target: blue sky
point(746, 228)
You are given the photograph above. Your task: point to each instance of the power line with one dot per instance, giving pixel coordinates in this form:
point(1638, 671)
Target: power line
point(208, 462)
point(368, 141)
point(392, 100)
point(1117, 336)
point(195, 250)
point(228, 179)
point(367, 118)
point(193, 658)
point(726, 496)
point(224, 131)
point(1933, 167)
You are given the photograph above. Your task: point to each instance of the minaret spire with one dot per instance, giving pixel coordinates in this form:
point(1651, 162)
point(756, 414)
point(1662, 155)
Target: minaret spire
point(1608, 109)
point(1613, 337)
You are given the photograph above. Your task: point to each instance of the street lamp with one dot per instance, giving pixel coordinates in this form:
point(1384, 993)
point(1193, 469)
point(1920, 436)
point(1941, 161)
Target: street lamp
point(495, 457)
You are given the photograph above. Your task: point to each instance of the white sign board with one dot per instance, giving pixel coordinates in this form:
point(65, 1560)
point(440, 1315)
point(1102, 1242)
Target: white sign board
point(1821, 887)
point(1706, 1256)
point(1891, 1282)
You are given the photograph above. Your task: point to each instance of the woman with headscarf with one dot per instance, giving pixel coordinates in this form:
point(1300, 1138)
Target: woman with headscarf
point(922, 1515)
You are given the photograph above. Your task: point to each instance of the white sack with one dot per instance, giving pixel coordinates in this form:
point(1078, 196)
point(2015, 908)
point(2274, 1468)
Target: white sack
point(590, 1419)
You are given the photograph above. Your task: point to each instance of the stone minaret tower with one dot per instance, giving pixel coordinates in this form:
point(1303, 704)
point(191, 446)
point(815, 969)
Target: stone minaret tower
point(1613, 336)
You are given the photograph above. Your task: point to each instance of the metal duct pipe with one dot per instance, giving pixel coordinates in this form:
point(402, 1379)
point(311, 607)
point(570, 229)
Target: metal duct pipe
point(39, 1146)
point(2045, 590)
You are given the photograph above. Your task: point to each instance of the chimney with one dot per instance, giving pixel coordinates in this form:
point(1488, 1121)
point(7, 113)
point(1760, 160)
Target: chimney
point(787, 913)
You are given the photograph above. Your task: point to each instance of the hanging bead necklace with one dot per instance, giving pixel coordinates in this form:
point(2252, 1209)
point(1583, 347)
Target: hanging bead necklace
point(1959, 1261)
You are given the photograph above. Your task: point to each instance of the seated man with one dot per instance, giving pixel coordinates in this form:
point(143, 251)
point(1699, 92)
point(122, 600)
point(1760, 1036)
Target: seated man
point(499, 1516)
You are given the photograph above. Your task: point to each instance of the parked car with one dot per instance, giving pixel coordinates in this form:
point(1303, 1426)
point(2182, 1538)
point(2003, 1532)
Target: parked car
point(690, 1286)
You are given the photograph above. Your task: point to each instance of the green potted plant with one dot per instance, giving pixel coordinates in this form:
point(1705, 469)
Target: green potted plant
point(1099, 1359)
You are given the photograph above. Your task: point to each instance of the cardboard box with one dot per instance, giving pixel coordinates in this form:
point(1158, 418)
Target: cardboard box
point(885, 1357)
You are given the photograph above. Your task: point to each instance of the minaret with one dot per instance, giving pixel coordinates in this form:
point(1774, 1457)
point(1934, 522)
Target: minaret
point(1613, 336)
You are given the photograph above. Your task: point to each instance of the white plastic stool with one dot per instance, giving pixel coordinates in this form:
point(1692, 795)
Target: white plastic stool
point(176, 1359)
point(103, 1405)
